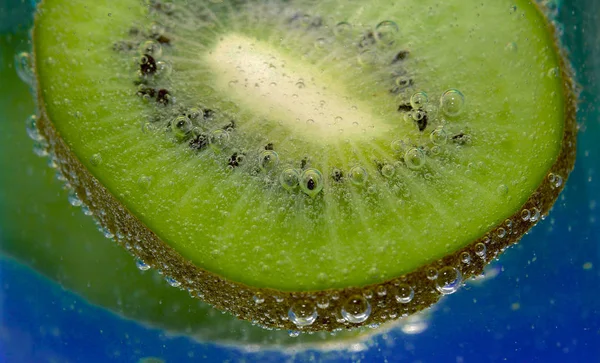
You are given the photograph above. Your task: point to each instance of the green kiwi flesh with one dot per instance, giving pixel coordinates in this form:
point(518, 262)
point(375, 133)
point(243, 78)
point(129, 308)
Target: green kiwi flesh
point(308, 164)
point(40, 229)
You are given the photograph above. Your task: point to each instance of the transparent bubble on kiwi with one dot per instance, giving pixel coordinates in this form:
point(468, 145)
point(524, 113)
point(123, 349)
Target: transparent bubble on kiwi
point(24, 67)
point(419, 99)
point(452, 102)
point(367, 57)
point(171, 281)
point(303, 313)
point(404, 294)
point(388, 170)
point(465, 257)
point(164, 69)
point(96, 159)
point(311, 182)
point(74, 199)
point(525, 214)
point(141, 265)
point(448, 280)
point(417, 115)
point(32, 131)
point(219, 138)
point(268, 160)
point(289, 179)
point(358, 175)
point(145, 182)
point(502, 189)
point(432, 273)
point(480, 249)
point(535, 215)
point(342, 29)
point(414, 158)
point(386, 32)
point(439, 136)
point(181, 126)
point(151, 47)
point(553, 72)
point(356, 309)
point(511, 47)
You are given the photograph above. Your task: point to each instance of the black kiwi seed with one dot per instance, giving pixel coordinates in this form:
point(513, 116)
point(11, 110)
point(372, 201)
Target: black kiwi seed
point(405, 107)
point(269, 146)
point(337, 175)
point(148, 65)
point(163, 96)
point(422, 123)
point(310, 184)
point(400, 56)
point(461, 138)
point(207, 113)
point(303, 163)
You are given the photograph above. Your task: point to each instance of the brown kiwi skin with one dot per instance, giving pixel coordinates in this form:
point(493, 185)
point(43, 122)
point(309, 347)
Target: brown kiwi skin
point(240, 300)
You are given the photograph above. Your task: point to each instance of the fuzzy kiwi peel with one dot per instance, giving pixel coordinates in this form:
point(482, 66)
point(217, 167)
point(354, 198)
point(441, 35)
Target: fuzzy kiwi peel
point(335, 207)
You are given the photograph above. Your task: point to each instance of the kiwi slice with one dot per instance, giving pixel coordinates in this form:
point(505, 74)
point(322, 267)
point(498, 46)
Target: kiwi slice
point(311, 165)
point(41, 230)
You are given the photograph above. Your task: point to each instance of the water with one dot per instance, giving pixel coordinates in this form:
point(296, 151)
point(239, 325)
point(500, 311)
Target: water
point(539, 302)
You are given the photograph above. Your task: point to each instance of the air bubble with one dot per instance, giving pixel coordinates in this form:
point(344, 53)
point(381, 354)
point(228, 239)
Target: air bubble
point(311, 182)
point(480, 249)
point(439, 136)
point(511, 47)
point(448, 281)
point(152, 48)
point(414, 158)
point(24, 67)
point(381, 291)
point(525, 214)
point(181, 127)
point(553, 72)
point(258, 299)
point(323, 302)
point(96, 160)
point(419, 100)
point(405, 294)
point(289, 178)
point(388, 171)
point(367, 57)
point(452, 102)
point(164, 69)
point(293, 333)
point(342, 29)
point(502, 189)
point(219, 138)
point(535, 216)
point(303, 313)
point(358, 175)
point(74, 199)
point(171, 281)
point(32, 130)
point(501, 232)
point(144, 182)
point(465, 258)
point(356, 309)
point(386, 32)
point(417, 115)
point(431, 273)
point(268, 160)
point(141, 265)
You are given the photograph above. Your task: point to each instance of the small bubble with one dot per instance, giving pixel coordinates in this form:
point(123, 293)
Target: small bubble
point(96, 160)
point(258, 299)
point(181, 127)
point(419, 100)
point(417, 115)
point(311, 182)
point(502, 189)
point(439, 136)
point(303, 313)
point(511, 47)
point(448, 281)
point(342, 29)
point(219, 138)
point(147, 127)
point(381, 291)
point(535, 216)
point(74, 199)
point(553, 72)
point(323, 302)
point(452, 102)
point(268, 160)
point(480, 249)
point(501, 232)
point(141, 265)
point(367, 57)
point(152, 48)
point(512, 9)
point(358, 175)
point(465, 257)
point(171, 281)
point(525, 214)
point(388, 171)
point(293, 333)
point(405, 294)
point(414, 158)
point(386, 32)
point(356, 309)
point(24, 67)
point(164, 69)
point(289, 178)
point(310, 121)
point(32, 130)
point(431, 273)
point(144, 182)
point(300, 84)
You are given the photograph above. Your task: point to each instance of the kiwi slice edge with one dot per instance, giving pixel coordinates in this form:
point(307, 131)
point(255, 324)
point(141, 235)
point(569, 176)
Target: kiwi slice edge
point(241, 300)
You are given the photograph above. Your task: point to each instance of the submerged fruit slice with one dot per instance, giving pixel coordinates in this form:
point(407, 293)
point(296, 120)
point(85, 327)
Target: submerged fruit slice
point(308, 164)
